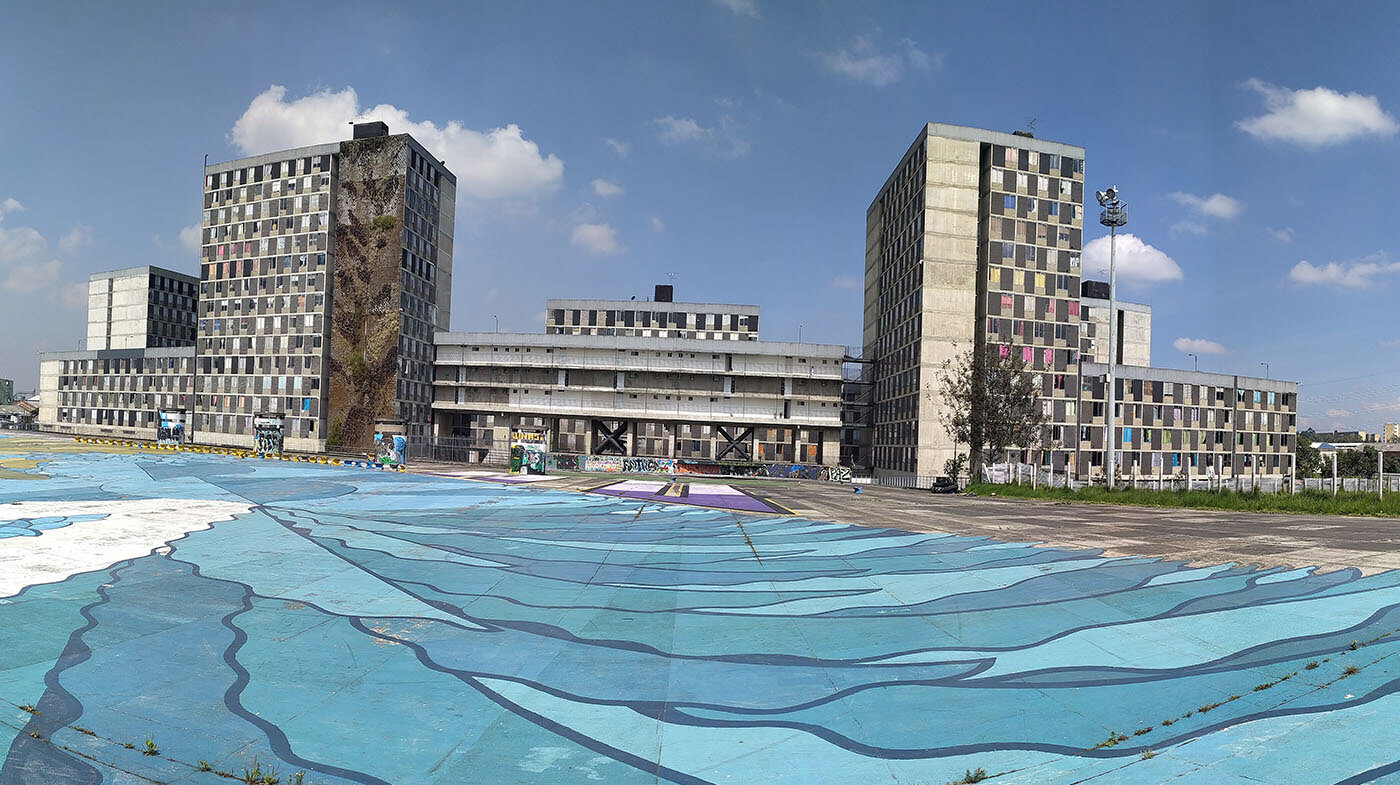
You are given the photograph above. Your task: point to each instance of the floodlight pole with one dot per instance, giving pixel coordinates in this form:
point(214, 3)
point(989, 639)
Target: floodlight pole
point(1114, 215)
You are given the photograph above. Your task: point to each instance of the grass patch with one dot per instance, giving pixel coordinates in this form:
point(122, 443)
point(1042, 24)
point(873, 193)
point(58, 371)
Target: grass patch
point(970, 776)
point(1303, 502)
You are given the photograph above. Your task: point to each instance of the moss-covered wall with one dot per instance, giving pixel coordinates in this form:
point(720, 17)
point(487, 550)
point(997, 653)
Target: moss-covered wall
point(363, 363)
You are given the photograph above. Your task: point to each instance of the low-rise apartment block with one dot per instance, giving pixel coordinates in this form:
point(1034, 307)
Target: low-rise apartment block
point(1184, 423)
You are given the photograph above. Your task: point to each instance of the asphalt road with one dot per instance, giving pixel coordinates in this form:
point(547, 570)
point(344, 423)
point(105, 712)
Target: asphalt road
point(1201, 536)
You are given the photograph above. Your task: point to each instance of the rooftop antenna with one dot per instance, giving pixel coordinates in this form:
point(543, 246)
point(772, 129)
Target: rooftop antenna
point(672, 277)
point(1030, 124)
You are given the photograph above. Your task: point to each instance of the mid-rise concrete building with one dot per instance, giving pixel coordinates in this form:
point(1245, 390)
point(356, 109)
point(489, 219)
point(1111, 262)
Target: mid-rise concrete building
point(141, 308)
point(974, 243)
point(139, 357)
point(118, 393)
point(1133, 331)
point(658, 318)
point(1186, 423)
point(714, 399)
point(324, 272)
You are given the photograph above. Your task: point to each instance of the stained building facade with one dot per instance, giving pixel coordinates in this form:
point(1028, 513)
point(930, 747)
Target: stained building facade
point(324, 272)
point(974, 240)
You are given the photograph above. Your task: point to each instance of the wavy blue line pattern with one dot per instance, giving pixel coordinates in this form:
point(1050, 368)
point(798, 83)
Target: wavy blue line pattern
point(378, 628)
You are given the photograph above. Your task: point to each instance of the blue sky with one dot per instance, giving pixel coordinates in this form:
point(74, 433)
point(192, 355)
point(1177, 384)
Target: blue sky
point(737, 144)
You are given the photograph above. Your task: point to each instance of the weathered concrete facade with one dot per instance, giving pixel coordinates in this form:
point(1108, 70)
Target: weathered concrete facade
point(652, 397)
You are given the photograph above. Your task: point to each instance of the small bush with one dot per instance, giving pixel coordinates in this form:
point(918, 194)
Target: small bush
point(34, 734)
point(204, 766)
point(29, 708)
point(1148, 754)
point(1167, 722)
point(1311, 666)
point(84, 731)
point(1141, 731)
point(971, 775)
point(151, 749)
point(1351, 670)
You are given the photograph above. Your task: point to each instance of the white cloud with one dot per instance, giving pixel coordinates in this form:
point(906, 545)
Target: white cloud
point(597, 239)
point(863, 62)
point(606, 188)
point(77, 237)
point(190, 238)
point(657, 224)
point(1189, 227)
point(1316, 118)
point(28, 278)
point(1284, 235)
point(677, 130)
point(1215, 206)
point(1340, 413)
point(21, 242)
point(1200, 346)
point(723, 139)
point(853, 282)
point(1354, 274)
point(747, 8)
point(1391, 343)
point(496, 164)
point(10, 205)
point(618, 146)
point(1137, 262)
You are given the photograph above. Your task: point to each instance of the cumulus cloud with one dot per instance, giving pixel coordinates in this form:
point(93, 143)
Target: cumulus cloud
point(657, 224)
point(26, 266)
point(1215, 206)
point(191, 238)
point(496, 164)
point(1355, 274)
point(597, 239)
point(1200, 346)
point(723, 139)
point(606, 188)
point(33, 277)
point(747, 8)
point(1284, 235)
point(77, 237)
point(1316, 118)
point(618, 146)
point(864, 61)
point(1137, 262)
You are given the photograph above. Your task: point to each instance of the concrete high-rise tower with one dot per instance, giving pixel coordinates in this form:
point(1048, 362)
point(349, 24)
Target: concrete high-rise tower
point(974, 240)
point(324, 272)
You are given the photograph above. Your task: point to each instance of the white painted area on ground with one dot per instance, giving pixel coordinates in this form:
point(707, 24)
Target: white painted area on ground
point(132, 529)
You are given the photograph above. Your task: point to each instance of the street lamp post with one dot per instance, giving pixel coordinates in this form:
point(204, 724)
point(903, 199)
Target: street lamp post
point(1266, 369)
point(1196, 361)
point(1114, 215)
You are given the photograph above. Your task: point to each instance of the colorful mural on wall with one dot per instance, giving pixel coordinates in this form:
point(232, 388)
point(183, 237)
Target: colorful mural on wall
point(613, 464)
point(382, 627)
point(364, 357)
point(390, 449)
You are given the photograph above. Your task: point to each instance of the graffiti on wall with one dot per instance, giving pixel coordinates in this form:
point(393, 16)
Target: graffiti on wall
point(390, 449)
point(171, 428)
point(614, 464)
point(267, 434)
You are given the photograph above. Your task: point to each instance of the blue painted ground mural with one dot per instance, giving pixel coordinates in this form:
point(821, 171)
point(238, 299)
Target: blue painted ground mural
point(349, 626)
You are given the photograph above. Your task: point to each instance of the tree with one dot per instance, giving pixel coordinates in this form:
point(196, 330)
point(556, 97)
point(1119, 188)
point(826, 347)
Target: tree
point(1309, 457)
point(990, 404)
